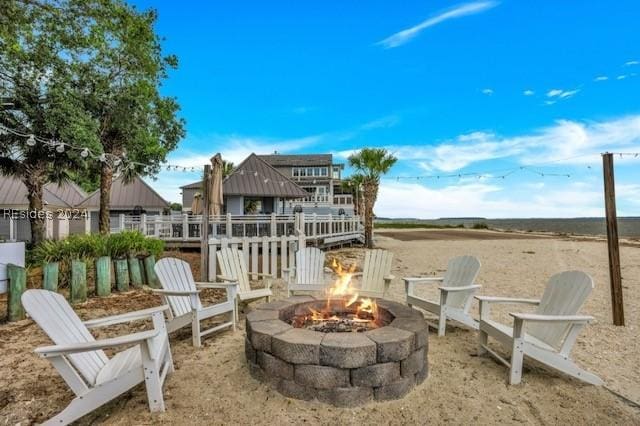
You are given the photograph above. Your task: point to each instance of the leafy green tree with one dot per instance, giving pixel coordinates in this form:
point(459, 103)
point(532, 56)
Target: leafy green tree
point(120, 78)
point(371, 164)
point(227, 168)
point(37, 41)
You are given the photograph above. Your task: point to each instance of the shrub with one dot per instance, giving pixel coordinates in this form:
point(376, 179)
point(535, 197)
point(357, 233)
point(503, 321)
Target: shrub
point(480, 225)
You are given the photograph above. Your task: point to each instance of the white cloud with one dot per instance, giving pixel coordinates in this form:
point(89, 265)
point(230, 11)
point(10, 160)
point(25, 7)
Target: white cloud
point(549, 102)
point(621, 77)
point(487, 92)
point(528, 92)
point(402, 37)
point(562, 142)
point(630, 63)
point(601, 78)
point(561, 94)
point(383, 122)
point(486, 200)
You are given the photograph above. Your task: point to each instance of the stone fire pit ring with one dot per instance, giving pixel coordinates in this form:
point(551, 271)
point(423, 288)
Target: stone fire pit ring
point(342, 369)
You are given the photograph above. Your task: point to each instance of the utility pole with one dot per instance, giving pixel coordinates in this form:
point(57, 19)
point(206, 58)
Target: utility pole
point(615, 276)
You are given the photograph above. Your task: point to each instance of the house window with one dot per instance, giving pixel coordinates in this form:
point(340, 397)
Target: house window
point(295, 172)
point(336, 172)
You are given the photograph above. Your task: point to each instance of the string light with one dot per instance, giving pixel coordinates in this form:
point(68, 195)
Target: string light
point(31, 140)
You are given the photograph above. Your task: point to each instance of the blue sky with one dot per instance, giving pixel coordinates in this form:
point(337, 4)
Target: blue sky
point(449, 87)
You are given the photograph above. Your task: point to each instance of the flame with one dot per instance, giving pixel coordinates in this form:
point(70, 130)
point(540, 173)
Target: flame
point(342, 289)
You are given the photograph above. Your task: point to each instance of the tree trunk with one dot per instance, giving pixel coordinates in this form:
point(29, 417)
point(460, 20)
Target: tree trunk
point(370, 193)
point(106, 178)
point(34, 182)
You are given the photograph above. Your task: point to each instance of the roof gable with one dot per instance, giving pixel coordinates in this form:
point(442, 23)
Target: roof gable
point(13, 194)
point(127, 196)
point(67, 191)
point(255, 177)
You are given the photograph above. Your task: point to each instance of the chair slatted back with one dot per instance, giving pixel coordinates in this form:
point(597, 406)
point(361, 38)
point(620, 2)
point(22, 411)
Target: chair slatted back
point(377, 265)
point(461, 272)
point(175, 275)
point(310, 266)
point(57, 319)
point(565, 294)
point(232, 266)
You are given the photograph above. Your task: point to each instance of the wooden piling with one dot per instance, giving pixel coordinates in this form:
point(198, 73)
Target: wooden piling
point(615, 275)
point(16, 286)
point(122, 274)
point(135, 274)
point(50, 273)
point(78, 293)
point(103, 276)
point(150, 273)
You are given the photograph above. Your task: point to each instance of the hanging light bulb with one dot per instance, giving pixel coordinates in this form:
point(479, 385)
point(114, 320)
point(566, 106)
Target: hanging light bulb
point(103, 157)
point(168, 168)
point(60, 147)
point(84, 153)
point(255, 174)
point(117, 162)
point(31, 141)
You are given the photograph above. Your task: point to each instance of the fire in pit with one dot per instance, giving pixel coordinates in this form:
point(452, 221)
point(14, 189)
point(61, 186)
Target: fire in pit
point(344, 310)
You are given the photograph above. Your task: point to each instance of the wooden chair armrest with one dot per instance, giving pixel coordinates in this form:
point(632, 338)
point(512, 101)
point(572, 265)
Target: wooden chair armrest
point(261, 274)
point(551, 318)
point(185, 293)
point(72, 348)
point(126, 317)
point(216, 285)
point(463, 288)
point(328, 270)
point(514, 300)
point(417, 280)
point(389, 277)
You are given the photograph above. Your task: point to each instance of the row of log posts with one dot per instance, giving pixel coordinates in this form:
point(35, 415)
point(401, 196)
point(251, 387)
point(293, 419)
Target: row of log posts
point(132, 270)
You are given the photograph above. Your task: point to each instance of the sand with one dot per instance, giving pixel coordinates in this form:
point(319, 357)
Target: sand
point(212, 385)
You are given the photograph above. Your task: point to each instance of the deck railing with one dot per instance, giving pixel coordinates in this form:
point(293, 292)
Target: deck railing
point(187, 227)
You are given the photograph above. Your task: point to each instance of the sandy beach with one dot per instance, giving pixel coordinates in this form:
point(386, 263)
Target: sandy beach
point(212, 385)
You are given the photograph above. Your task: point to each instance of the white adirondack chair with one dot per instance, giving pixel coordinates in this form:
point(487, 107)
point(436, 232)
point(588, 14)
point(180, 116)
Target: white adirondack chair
point(376, 273)
point(309, 272)
point(82, 363)
point(234, 269)
point(181, 293)
point(456, 293)
point(548, 334)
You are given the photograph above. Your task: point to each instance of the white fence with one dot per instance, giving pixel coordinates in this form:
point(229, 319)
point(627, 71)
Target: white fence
point(187, 227)
point(268, 255)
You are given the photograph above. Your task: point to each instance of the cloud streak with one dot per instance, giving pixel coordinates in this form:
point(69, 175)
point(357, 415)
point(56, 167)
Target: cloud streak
point(404, 36)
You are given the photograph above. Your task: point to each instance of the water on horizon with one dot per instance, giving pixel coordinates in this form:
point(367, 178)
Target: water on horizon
point(628, 227)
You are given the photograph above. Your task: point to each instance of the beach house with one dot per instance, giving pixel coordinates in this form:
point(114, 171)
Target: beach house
point(283, 184)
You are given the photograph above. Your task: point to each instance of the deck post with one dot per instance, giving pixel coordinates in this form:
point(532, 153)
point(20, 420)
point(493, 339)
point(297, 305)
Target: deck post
point(143, 224)
point(274, 225)
point(157, 224)
point(185, 227)
point(12, 234)
point(121, 223)
point(301, 226)
point(615, 276)
point(229, 226)
point(314, 225)
point(87, 222)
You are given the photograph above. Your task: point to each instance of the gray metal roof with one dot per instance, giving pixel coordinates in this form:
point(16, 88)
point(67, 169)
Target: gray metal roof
point(279, 160)
point(13, 195)
point(268, 183)
point(127, 196)
point(68, 191)
point(194, 185)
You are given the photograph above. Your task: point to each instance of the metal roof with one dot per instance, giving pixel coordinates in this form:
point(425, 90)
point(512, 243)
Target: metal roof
point(194, 185)
point(267, 183)
point(279, 160)
point(127, 196)
point(68, 191)
point(13, 194)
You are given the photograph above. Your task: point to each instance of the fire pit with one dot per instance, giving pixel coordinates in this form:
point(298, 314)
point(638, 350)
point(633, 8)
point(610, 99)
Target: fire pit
point(340, 350)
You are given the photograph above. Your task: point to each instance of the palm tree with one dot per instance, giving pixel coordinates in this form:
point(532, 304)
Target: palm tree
point(371, 163)
point(353, 185)
point(227, 168)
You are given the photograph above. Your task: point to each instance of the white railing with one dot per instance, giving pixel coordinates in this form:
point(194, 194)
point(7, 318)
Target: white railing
point(187, 227)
